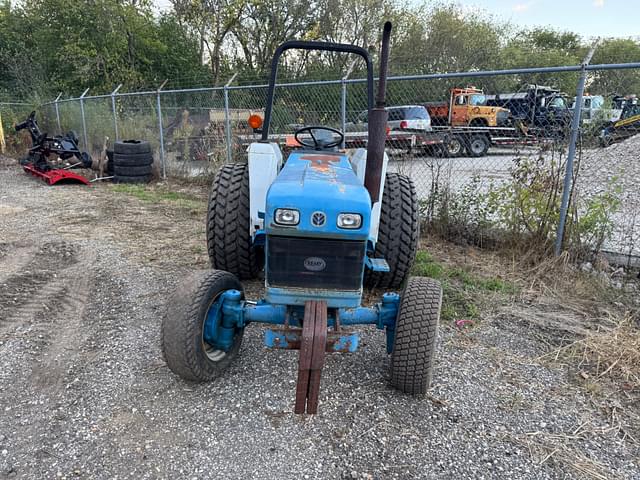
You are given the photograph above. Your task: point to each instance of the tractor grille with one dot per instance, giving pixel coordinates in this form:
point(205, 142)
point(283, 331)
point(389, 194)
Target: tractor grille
point(314, 263)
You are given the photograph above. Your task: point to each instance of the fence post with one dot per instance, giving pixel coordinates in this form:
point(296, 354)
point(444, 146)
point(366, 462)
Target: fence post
point(55, 103)
point(343, 107)
point(575, 128)
point(162, 159)
point(113, 109)
point(84, 123)
point(227, 120)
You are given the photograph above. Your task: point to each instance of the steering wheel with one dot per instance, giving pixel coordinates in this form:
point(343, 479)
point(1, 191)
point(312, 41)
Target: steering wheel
point(319, 144)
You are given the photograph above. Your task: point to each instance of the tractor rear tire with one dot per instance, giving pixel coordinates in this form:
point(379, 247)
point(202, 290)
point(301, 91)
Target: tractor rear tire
point(398, 232)
point(128, 147)
point(183, 345)
point(414, 342)
point(228, 239)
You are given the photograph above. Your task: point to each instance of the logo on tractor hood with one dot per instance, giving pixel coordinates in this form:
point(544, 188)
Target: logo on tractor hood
point(315, 264)
point(318, 219)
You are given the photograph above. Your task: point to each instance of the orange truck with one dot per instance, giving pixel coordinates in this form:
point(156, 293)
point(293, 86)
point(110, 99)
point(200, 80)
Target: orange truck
point(467, 108)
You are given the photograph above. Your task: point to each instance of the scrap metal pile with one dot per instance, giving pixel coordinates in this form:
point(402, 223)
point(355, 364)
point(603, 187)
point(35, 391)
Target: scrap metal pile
point(52, 158)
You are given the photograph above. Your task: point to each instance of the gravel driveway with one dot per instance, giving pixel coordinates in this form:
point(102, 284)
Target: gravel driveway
point(84, 392)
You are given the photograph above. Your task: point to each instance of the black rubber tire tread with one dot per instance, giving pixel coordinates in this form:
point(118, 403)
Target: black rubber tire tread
point(132, 160)
point(458, 153)
point(487, 144)
point(398, 232)
point(228, 238)
point(181, 331)
point(142, 170)
point(134, 179)
point(414, 343)
point(109, 168)
point(131, 147)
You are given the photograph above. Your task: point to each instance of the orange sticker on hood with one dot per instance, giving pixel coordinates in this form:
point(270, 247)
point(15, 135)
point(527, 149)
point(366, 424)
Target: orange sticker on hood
point(320, 161)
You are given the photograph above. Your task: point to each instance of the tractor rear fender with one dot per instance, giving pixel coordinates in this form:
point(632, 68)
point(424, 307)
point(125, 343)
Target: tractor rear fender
point(265, 161)
point(359, 163)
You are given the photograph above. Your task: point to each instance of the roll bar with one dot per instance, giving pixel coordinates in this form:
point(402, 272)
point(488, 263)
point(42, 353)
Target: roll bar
point(309, 45)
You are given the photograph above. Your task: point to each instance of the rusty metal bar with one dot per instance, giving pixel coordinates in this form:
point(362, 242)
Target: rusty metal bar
point(377, 124)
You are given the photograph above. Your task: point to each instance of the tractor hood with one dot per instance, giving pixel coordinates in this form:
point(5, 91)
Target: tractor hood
point(320, 185)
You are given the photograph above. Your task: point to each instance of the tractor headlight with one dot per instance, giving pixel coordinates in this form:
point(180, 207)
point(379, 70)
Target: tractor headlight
point(287, 216)
point(349, 220)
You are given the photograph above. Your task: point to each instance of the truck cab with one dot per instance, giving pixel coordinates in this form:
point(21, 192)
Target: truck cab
point(627, 125)
point(537, 106)
point(467, 107)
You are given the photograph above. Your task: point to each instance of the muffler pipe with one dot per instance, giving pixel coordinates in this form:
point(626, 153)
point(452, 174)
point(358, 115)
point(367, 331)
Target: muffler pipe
point(378, 124)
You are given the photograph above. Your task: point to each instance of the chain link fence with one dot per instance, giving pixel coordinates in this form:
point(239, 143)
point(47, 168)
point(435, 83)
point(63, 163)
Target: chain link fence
point(10, 114)
point(484, 149)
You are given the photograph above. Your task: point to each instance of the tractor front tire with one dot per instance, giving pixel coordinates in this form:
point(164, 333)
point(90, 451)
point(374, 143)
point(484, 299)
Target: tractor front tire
point(228, 239)
point(183, 345)
point(414, 343)
point(398, 232)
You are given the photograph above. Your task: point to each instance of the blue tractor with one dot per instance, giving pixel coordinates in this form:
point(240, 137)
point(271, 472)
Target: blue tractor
point(322, 226)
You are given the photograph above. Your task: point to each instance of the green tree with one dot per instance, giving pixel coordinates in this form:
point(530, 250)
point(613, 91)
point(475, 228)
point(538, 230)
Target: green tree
point(611, 82)
point(213, 20)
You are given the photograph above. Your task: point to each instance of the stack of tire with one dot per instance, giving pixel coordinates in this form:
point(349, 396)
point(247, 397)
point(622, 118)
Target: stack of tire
point(132, 161)
point(109, 170)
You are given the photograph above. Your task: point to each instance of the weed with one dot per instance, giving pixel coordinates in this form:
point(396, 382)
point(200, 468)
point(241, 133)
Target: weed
point(463, 291)
point(522, 211)
point(150, 194)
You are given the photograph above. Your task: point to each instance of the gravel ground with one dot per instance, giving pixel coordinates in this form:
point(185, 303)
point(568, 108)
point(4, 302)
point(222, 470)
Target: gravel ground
point(617, 165)
point(84, 392)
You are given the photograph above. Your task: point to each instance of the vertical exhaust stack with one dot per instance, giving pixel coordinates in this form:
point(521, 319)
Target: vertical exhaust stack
point(378, 124)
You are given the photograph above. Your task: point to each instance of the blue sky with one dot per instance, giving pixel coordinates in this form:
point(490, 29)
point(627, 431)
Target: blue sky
point(589, 18)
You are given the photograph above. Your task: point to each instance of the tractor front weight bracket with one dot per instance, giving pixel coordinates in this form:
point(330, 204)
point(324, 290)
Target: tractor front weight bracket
point(313, 330)
point(238, 313)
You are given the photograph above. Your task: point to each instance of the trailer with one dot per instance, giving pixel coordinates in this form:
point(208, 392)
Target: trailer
point(476, 141)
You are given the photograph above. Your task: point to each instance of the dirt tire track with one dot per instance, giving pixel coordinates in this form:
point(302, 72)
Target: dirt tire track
point(13, 258)
point(41, 279)
point(67, 326)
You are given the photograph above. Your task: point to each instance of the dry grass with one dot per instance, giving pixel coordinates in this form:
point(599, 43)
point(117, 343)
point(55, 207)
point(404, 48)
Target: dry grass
point(606, 362)
point(561, 449)
point(613, 353)
point(587, 326)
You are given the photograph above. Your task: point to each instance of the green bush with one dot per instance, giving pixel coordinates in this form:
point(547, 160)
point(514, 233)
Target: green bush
point(524, 210)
